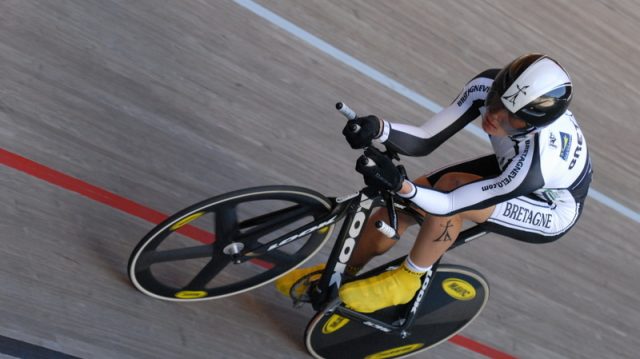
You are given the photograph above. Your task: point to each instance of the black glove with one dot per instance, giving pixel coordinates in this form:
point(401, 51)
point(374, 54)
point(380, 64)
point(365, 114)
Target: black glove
point(369, 128)
point(383, 175)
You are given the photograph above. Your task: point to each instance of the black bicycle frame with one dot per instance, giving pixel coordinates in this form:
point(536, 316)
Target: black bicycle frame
point(403, 323)
point(356, 210)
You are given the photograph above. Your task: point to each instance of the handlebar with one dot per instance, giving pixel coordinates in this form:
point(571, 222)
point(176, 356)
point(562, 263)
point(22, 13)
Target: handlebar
point(351, 115)
point(346, 111)
point(388, 230)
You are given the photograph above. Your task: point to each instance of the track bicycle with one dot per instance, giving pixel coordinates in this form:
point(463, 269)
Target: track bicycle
point(240, 240)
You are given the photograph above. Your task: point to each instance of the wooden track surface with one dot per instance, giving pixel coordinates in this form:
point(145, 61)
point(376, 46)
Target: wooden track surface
point(169, 102)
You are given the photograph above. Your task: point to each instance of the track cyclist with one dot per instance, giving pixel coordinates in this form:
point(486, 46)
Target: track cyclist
point(531, 189)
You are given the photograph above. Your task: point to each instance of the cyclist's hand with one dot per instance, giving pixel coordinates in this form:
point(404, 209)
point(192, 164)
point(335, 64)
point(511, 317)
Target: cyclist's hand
point(369, 128)
point(383, 175)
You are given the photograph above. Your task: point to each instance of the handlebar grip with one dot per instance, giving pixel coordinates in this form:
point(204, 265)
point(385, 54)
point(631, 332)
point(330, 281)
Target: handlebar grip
point(346, 111)
point(366, 161)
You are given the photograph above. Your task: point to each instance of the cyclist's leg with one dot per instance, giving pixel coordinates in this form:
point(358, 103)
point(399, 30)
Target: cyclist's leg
point(437, 234)
point(373, 243)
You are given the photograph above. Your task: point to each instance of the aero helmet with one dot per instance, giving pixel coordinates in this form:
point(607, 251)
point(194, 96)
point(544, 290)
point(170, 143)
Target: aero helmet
point(534, 88)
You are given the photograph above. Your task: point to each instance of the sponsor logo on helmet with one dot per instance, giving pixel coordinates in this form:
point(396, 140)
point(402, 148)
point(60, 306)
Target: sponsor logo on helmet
point(512, 98)
point(565, 138)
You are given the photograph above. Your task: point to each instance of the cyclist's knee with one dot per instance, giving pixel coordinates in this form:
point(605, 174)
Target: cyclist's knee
point(422, 181)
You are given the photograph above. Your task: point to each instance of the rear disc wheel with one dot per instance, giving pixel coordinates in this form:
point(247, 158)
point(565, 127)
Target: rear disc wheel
point(193, 255)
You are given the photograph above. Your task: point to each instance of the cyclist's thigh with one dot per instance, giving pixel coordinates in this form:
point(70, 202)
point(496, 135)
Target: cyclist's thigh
point(486, 166)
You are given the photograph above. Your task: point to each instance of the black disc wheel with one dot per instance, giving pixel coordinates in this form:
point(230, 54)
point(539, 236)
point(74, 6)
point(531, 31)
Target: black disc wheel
point(231, 243)
point(455, 298)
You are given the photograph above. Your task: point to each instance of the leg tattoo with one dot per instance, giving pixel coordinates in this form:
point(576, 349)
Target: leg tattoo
point(445, 236)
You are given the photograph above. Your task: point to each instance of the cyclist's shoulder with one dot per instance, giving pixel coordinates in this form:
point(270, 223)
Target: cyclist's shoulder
point(566, 124)
point(476, 88)
point(561, 140)
point(484, 78)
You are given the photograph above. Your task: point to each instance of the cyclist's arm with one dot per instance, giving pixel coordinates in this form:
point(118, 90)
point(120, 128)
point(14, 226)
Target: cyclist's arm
point(421, 140)
point(521, 176)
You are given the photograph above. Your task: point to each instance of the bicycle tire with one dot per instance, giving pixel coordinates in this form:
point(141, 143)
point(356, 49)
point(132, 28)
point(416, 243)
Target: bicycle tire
point(296, 203)
point(330, 336)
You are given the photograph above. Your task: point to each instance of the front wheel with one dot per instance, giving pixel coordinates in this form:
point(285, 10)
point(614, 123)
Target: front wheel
point(193, 255)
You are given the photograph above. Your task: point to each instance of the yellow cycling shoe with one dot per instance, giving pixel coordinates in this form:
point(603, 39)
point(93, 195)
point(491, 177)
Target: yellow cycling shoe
point(393, 287)
point(284, 283)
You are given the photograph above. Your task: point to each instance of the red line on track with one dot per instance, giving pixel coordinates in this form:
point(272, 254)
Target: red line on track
point(479, 347)
point(75, 185)
point(110, 199)
point(95, 193)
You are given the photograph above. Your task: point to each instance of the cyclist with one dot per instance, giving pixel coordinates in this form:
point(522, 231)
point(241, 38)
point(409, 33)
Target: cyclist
point(531, 189)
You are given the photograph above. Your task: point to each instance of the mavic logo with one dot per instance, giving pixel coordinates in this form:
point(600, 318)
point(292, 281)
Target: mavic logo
point(512, 98)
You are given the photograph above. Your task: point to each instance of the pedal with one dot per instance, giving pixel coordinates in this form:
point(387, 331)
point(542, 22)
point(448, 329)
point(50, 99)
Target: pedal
point(299, 291)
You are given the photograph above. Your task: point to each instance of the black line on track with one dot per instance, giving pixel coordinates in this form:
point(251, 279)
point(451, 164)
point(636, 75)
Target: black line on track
point(20, 349)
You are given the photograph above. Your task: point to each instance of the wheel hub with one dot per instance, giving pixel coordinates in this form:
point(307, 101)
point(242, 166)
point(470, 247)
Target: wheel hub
point(233, 248)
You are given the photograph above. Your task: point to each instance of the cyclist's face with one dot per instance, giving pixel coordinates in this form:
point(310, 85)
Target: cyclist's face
point(498, 123)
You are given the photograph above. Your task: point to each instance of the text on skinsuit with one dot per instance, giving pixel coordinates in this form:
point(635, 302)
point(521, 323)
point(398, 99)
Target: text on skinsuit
point(470, 90)
point(514, 172)
point(349, 244)
point(576, 153)
point(525, 215)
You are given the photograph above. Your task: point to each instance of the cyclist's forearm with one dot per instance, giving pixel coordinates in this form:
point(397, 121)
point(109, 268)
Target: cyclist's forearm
point(409, 140)
point(522, 176)
point(413, 140)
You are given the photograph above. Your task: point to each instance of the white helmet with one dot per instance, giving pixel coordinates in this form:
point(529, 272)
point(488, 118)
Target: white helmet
point(534, 88)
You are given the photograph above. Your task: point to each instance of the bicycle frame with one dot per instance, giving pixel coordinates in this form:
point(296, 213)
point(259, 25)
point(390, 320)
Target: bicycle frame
point(356, 210)
point(404, 322)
